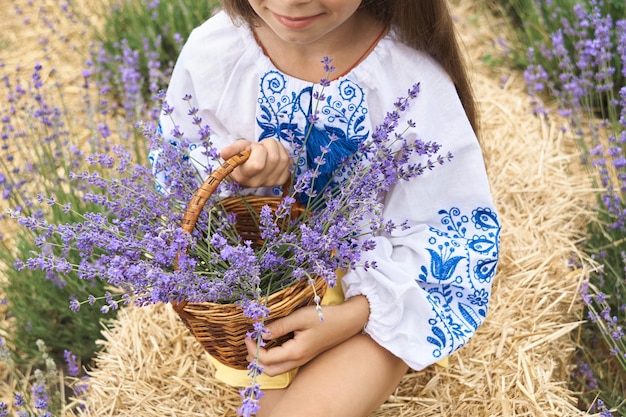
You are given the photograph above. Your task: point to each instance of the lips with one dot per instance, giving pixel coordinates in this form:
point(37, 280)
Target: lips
point(296, 22)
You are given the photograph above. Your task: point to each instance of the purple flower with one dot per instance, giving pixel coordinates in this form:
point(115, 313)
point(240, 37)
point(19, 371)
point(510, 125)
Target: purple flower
point(18, 400)
point(75, 305)
point(327, 67)
point(167, 109)
point(72, 364)
point(250, 403)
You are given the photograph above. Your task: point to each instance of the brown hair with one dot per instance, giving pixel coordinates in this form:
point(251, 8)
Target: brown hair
point(425, 25)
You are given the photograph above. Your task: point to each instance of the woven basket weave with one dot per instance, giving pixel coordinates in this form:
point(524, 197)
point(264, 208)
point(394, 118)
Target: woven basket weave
point(221, 328)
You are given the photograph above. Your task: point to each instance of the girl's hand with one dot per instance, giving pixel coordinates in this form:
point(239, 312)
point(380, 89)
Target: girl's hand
point(311, 336)
point(267, 166)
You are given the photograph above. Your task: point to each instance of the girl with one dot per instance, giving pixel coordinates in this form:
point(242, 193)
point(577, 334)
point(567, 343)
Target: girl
point(251, 71)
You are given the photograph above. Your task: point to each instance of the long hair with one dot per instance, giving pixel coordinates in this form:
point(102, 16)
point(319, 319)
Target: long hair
point(425, 25)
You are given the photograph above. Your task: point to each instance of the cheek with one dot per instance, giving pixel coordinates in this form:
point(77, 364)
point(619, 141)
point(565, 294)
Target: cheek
point(255, 4)
point(257, 7)
point(345, 8)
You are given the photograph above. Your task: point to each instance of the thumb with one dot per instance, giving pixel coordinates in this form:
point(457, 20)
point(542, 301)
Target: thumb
point(234, 148)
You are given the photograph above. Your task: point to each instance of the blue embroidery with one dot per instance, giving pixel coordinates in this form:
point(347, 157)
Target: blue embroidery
point(277, 109)
point(442, 264)
point(479, 298)
point(463, 259)
point(341, 122)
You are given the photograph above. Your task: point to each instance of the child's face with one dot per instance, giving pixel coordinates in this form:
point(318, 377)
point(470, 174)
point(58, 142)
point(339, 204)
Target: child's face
point(305, 21)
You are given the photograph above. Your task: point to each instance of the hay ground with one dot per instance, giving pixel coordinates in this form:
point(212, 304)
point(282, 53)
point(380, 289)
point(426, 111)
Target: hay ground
point(518, 363)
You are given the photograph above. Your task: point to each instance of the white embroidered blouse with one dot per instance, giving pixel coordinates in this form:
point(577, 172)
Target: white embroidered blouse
point(430, 290)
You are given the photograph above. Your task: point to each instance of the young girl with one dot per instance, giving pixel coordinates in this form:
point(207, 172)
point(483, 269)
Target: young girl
point(251, 71)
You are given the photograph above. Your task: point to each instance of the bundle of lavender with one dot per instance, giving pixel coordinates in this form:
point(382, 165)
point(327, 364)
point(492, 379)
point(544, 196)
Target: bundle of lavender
point(133, 239)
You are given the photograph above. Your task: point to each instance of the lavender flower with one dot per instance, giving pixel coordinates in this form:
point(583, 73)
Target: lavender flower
point(250, 404)
point(601, 407)
point(18, 400)
point(72, 365)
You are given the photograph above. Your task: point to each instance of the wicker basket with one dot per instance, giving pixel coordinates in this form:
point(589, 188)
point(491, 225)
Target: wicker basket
point(221, 328)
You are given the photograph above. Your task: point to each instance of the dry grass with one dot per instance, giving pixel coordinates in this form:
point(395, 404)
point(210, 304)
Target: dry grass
point(518, 363)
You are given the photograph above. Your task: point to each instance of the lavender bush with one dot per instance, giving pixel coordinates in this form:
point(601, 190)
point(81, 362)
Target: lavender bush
point(533, 21)
point(44, 136)
point(153, 32)
point(585, 76)
point(35, 116)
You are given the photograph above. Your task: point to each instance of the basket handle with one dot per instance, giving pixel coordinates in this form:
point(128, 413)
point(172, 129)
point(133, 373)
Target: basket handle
point(197, 202)
point(202, 194)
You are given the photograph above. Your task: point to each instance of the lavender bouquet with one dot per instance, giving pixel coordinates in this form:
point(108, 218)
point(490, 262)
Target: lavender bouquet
point(135, 243)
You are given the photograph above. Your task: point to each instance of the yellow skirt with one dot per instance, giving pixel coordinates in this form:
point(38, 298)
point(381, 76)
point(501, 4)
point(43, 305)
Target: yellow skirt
point(240, 378)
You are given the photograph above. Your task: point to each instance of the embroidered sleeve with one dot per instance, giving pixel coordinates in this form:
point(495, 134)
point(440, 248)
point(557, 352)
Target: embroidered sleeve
point(430, 290)
point(431, 287)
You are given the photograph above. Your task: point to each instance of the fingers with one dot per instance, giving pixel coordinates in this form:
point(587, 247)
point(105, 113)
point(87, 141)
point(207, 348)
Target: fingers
point(292, 353)
point(268, 164)
point(279, 359)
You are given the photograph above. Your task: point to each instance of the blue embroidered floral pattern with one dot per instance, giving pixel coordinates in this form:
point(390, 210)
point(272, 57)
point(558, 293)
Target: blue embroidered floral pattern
point(277, 109)
point(340, 121)
point(463, 258)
